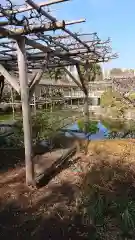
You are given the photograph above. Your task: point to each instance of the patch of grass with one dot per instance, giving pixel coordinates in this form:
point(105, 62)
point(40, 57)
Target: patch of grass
point(108, 195)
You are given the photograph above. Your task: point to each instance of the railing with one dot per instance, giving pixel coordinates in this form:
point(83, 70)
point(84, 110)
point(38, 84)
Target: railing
point(81, 94)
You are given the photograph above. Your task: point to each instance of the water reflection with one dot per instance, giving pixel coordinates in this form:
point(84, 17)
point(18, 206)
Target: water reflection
point(102, 132)
point(107, 129)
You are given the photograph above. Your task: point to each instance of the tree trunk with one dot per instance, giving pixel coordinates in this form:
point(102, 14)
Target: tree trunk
point(23, 77)
point(86, 120)
point(86, 113)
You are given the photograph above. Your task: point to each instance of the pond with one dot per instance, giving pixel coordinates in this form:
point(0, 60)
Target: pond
point(107, 129)
point(100, 134)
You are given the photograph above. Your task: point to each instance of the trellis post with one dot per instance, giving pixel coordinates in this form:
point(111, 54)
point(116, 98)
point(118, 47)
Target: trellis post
point(24, 88)
point(12, 101)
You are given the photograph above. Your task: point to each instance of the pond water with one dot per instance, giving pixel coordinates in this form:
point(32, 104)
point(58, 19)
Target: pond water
point(102, 132)
point(106, 130)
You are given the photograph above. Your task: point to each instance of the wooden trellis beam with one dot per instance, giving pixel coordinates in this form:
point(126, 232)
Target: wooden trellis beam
point(11, 80)
point(55, 42)
point(39, 46)
point(85, 90)
point(33, 29)
point(14, 81)
point(36, 81)
point(46, 49)
point(28, 8)
point(50, 26)
point(64, 36)
point(7, 46)
point(40, 10)
point(32, 79)
point(38, 66)
point(53, 19)
point(73, 78)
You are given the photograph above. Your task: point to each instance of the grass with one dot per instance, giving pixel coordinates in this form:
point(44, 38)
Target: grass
point(108, 191)
point(98, 204)
point(9, 116)
point(5, 117)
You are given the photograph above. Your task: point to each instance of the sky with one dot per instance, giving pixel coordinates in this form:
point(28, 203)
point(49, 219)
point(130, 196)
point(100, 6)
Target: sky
point(109, 18)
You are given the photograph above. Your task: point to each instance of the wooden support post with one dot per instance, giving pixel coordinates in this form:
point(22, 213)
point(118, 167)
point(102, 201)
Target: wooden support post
point(34, 96)
point(12, 101)
point(46, 99)
point(86, 112)
point(71, 97)
point(51, 93)
point(23, 77)
point(51, 106)
point(46, 106)
point(78, 102)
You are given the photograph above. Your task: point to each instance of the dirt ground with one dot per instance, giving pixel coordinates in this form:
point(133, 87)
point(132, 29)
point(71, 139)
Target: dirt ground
point(49, 212)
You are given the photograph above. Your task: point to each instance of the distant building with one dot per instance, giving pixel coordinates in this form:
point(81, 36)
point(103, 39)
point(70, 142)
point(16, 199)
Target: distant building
point(119, 73)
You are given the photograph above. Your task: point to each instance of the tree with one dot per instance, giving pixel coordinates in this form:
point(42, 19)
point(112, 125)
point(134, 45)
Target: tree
point(91, 71)
point(114, 101)
point(57, 74)
point(92, 128)
point(87, 74)
point(101, 52)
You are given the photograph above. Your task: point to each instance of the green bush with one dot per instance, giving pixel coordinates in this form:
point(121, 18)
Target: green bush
point(91, 126)
point(44, 125)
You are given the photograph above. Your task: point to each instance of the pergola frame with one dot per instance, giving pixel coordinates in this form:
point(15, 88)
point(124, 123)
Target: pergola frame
point(25, 46)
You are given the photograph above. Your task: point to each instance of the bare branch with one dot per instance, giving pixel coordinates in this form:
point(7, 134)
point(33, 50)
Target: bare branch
point(27, 8)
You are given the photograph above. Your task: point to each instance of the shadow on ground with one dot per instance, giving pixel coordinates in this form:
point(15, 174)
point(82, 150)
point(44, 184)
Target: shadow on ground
point(12, 157)
point(50, 218)
point(100, 206)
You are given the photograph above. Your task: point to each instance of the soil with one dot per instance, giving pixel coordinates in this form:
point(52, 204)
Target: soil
point(49, 212)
